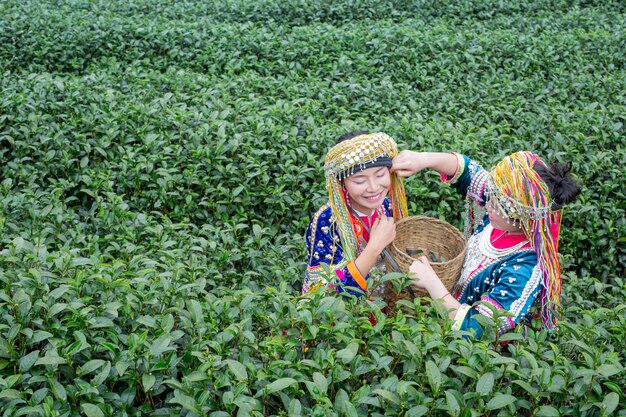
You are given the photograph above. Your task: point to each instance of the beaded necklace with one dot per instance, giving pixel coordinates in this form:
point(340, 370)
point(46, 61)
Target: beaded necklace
point(481, 254)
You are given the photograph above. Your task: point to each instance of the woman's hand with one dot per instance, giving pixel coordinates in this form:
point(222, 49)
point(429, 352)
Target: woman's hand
point(383, 232)
point(424, 276)
point(407, 163)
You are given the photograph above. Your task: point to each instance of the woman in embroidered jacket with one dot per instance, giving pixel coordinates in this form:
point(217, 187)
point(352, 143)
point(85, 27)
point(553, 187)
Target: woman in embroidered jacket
point(512, 253)
point(352, 229)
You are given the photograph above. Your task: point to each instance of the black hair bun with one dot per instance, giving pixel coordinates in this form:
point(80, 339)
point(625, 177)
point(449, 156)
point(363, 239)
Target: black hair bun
point(563, 188)
point(350, 135)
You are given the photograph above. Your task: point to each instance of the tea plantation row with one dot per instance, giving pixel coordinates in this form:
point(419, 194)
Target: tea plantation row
point(160, 160)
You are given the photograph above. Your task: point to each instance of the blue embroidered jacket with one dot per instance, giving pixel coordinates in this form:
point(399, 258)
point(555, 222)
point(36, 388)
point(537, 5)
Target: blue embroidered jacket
point(324, 247)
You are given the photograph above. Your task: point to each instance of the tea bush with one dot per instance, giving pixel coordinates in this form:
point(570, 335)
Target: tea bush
point(160, 160)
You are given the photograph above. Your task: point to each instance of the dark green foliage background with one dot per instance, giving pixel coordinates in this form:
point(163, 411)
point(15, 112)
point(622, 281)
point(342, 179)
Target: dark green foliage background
point(160, 158)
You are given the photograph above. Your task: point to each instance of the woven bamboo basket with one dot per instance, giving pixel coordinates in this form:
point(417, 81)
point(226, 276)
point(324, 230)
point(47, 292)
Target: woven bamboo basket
point(443, 243)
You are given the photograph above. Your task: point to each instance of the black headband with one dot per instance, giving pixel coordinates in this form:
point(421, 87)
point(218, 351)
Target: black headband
point(383, 161)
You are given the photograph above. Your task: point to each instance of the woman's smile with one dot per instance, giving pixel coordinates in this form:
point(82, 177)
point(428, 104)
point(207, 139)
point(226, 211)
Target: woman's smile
point(375, 197)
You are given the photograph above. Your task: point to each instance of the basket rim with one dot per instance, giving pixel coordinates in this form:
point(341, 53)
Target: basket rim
point(456, 231)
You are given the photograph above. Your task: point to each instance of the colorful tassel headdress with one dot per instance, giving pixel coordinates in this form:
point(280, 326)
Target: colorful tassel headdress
point(346, 159)
point(523, 196)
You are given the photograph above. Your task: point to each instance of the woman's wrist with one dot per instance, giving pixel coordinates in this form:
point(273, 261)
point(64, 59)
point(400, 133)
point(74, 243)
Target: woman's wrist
point(422, 161)
point(436, 289)
point(447, 294)
point(374, 248)
point(442, 162)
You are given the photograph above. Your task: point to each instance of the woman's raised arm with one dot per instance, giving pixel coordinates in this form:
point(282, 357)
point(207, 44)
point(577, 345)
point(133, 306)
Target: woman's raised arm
point(407, 163)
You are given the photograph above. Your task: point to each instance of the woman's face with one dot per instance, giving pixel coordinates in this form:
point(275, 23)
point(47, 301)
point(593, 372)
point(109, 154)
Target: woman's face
point(498, 218)
point(368, 188)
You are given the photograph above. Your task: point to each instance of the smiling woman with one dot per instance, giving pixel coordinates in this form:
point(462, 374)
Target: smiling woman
point(350, 231)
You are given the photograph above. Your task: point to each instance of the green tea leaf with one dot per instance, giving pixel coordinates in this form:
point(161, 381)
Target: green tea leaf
point(40, 335)
point(321, 382)
point(500, 400)
point(452, 403)
point(610, 402)
point(434, 375)
point(547, 411)
point(57, 389)
point(90, 366)
point(10, 394)
point(608, 370)
point(147, 381)
point(81, 262)
point(411, 348)
point(91, 410)
point(510, 337)
point(279, 385)
point(387, 395)
point(348, 353)
point(186, 401)
point(27, 361)
point(485, 384)
point(161, 345)
point(417, 411)
point(295, 408)
point(238, 369)
point(50, 360)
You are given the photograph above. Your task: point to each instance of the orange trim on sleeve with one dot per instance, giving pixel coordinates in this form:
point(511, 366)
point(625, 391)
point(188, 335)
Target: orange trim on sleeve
point(460, 167)
point(356, 274)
